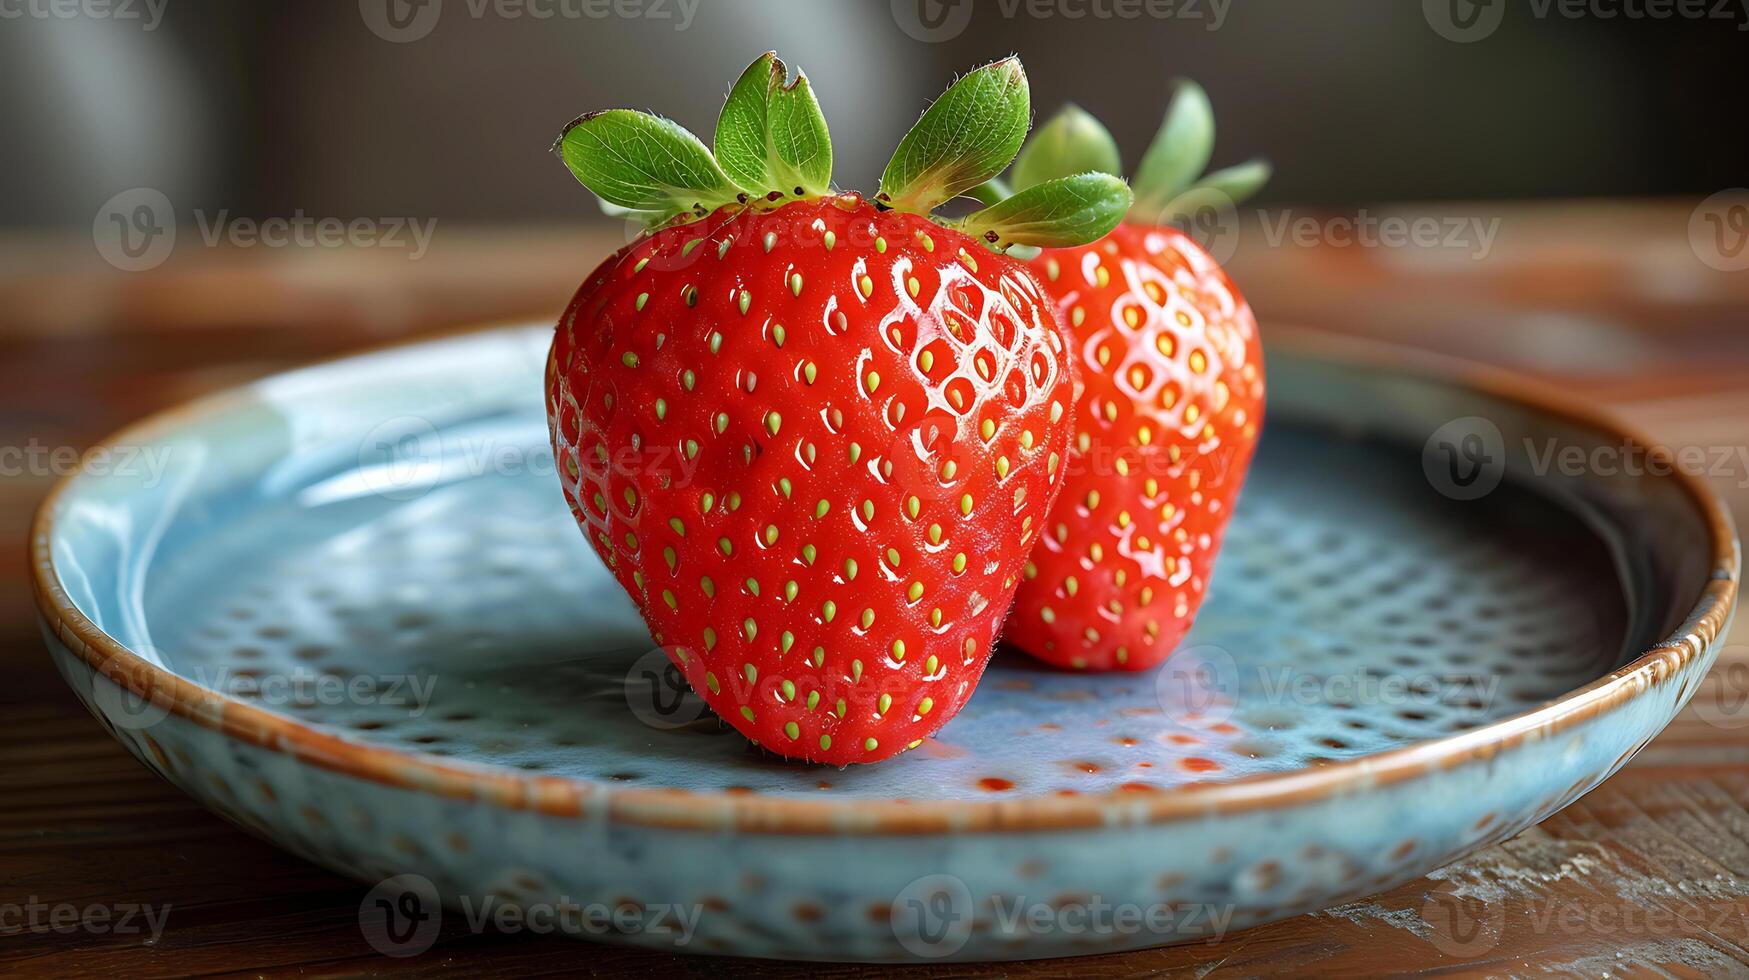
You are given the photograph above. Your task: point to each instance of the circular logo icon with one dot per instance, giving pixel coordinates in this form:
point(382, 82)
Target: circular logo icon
point(400, 21)
point(135, 230)
point(1718, 230)
point(932, 21)
point(932, 917)
point(1465, 459)
point(124, 708)
point(1198, 684)
point(1208, 216)
point(1464, 21)
point(401, 916)
point(401, 459)
point(658, 694)
point(1723, 698)
point(1462, 925)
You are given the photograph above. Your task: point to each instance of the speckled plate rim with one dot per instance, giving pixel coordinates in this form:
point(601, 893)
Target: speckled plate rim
point(561, 796)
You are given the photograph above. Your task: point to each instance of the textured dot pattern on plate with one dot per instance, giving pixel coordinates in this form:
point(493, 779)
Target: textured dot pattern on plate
point(471, 622)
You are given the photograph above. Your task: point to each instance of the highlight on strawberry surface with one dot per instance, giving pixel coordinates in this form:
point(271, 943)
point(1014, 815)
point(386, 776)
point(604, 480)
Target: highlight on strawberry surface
point(1170, 366)
point(814, 434)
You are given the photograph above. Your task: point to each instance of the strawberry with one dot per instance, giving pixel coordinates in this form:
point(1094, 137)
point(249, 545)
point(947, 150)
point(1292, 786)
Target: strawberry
point(1169, 373)
point(813, 435)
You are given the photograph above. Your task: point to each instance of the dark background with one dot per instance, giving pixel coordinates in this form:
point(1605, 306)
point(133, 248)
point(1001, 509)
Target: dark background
point(271, 108)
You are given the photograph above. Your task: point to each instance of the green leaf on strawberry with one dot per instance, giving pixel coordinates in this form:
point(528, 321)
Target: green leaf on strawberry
point(771, 137)
point(1180, 151)
point(1062, 211)
point(1227, 186)
point(966, 137)
point(644, 163)
point(1167, 185)
point(772, 146)
point(1072, 142)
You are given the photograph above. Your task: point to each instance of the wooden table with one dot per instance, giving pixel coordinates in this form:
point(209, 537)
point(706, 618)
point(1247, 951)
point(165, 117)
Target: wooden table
point(1649, 874)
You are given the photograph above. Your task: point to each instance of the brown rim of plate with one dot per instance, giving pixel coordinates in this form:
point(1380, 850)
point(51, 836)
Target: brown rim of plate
point(683, 810)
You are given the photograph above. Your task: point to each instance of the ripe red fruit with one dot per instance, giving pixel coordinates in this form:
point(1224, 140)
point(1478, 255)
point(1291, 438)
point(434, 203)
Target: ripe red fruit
point(814, 444)
point(1170, 369)
point(1170, 391)
point(813, 436)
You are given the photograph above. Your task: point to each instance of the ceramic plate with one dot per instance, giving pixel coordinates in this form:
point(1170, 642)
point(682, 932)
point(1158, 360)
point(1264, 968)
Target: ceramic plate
point(346, 608)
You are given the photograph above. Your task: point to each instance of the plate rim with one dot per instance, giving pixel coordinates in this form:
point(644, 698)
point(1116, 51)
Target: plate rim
point(569, 796)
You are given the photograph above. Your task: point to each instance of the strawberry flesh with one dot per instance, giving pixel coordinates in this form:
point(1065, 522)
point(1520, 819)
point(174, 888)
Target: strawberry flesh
point(814, 444)
point(1169, 371)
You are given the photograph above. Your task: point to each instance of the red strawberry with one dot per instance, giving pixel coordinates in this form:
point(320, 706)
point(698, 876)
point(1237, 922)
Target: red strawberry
point(1169, 400)
point(812, 438)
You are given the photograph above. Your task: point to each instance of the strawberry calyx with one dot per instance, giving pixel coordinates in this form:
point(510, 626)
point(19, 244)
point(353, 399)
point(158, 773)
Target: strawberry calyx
point(1170, 183)
point(772, 147)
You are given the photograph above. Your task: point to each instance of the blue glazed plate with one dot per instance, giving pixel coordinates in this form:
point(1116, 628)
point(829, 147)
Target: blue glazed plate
point(347, 609)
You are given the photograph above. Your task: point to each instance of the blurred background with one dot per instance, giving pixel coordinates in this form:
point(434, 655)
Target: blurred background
point(265, 108)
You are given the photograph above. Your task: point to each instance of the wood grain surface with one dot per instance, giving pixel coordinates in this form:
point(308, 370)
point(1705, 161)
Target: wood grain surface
point(1648, 875)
